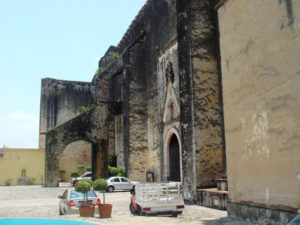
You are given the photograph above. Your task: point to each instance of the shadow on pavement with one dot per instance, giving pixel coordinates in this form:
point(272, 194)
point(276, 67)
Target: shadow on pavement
point(226, 221)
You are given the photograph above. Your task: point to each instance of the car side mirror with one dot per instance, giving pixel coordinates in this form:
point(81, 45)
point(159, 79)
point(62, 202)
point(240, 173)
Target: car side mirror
point(61, 197)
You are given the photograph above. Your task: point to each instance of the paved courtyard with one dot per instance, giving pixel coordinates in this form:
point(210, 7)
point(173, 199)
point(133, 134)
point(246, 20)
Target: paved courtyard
point(40, 202)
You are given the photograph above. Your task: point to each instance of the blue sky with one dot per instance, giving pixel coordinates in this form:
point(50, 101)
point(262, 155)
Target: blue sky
point(62, 39)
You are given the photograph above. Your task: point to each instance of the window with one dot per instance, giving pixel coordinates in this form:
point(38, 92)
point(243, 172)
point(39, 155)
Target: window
point(75, 194)
point(124, 180)
point(116, 180)
point(65, 195)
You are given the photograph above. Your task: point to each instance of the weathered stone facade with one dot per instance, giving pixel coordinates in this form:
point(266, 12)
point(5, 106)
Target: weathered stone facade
point(145, 80)
point(159, 101)
point(60, 101)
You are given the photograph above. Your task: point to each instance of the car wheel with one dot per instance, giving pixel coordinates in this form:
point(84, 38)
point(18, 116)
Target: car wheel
point(132, 209)
point(110, 189)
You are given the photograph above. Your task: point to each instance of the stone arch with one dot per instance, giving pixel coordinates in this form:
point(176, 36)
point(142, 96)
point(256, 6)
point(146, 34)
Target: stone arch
point(80, 128)
point(78, 152)
point(172, 132)
point(54, 148)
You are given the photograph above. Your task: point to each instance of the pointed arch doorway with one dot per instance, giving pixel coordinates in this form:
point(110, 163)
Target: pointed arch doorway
point(174, 159)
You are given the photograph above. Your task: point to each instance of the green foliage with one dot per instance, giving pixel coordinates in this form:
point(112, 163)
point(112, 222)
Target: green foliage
point(74, 175)
point(100, 184)
point(142, 31)
point(84, 108)
point(121, 172)
point(88, 168)
point(116, 55)
point(8, 182)
point(114, 171)
point(98, 72)
point(61, 170)
point(88, 181)
point(80, 167)
point(31, 180)
point(83, 186)
point(112, 160)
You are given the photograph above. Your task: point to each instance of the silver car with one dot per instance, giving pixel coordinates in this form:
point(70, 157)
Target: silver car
point(70, 201)
point(120, 183)
point(85, 176)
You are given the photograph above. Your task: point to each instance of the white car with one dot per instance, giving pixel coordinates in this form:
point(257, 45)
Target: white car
point(70, 201)
point(120, 183)
point(86, 176)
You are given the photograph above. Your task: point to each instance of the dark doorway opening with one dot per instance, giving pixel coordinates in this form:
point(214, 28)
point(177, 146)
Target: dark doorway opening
point(174, 159)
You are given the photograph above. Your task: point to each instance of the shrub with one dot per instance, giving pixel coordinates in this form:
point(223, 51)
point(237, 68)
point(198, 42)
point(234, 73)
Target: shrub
point(88, 168)
point(8, 182)
point(80, 167)
point(84, 187)
point(112, 161)
point(74, 175)
point(61, 171)
point(31, 180)
point(88, 181)
point(114, 171)
point(100, 185)
point(98, 72)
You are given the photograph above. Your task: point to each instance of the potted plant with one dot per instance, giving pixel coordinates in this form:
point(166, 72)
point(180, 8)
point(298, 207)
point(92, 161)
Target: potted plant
point(86, 209)
point(74, 175)
point(61, 172)
point(8, 182)
point(104, 209)
point(80, 168)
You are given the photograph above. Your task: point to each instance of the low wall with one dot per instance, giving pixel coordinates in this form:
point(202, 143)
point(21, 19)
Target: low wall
point(212, 198)
point(14, 162)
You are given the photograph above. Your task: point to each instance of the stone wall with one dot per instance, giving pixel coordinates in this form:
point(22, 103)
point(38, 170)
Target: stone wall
point(207, 100)
point(60, 101)
point(260, 46)
point(200, 95)
point(142, 121)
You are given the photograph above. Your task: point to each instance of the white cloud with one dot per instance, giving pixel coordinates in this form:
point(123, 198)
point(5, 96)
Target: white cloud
point(19, 129)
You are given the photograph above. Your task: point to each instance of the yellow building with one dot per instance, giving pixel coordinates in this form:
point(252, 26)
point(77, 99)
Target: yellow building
point(25, 165)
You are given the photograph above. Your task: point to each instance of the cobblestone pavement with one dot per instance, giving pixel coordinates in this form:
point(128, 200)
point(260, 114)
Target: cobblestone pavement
point(40, 202)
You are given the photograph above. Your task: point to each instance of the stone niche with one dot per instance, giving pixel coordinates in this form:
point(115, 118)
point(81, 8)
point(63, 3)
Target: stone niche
point(169, 109)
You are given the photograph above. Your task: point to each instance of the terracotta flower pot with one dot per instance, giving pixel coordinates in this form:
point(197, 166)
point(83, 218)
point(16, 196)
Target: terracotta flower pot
point(105, 210)
point(87, 211)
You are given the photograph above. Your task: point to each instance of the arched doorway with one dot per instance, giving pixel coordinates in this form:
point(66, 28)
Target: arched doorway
point(75, 153)
point(174, 159)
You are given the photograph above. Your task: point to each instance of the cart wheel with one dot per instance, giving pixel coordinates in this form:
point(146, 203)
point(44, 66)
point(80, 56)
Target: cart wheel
point(132, 209)
point(140, 211)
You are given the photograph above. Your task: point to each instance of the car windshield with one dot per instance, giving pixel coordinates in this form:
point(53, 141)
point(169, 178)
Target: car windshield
point(75, 194)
